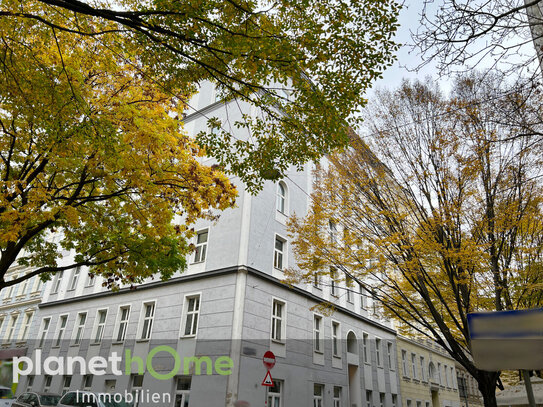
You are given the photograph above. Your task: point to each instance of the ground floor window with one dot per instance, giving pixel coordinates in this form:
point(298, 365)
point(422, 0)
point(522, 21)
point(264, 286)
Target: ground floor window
point(182, 391)
point(337, 396)
point(318, 391)
point(274, 394)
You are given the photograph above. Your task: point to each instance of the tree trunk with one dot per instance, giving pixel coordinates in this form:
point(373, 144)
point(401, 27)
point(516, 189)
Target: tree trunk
point(487, 386)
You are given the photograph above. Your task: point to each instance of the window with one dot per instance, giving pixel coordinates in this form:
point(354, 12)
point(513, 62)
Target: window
point(274, 394)
point(439, 373)
point(136, 388)
point(419, 403)
point(281, 197)
point(11, 327)
point(24, 287)
point(337, 396)
point(363, 303)
point(404, 363)
point(333, 276)
point(446, 371)
point(148, 315)
point(29, 382)
point(336, 349)
point(277, 321)
point(452, 378)
point(56, 282)
point(278, 253)
point(378, 352)
point(79, 328)
point(349, 284)
point(192, 314)
point(333, 231)
point(394, 400)
point(317, 280)
point(124, 315)
point(369, 401)
point(409, 403)
point(43, 331)
point(26, 326)
point(62, 320)
point(414, 365)
point(422, 372)
point(365, 343)
point(87, 382)
point(66, 384)
point(381, 399)
point(11, 287)
point(318, 390)
point(75, 277)
point(390, 355)
point(201, 246)
point(47, 383)
point(182, 392)
point(317, 334)
point(90, 280)
point(100, 323)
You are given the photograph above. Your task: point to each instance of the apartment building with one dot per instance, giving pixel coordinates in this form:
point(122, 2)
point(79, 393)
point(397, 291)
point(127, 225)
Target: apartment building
point(428, 375)
point(221, 315)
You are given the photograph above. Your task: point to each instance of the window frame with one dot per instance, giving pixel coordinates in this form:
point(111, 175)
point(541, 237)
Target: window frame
point(10, 330)
point(144, 318)
point(318, 398)
point(78, 328)
point(57, 281)
point(200, 249)
point(195, 315)
point(25, 327)
point(272, 395)
point(336, 338)
point(120, 321)
point(318, 337)
point(44, 330)
point(281, 319)
point(74, 278)
point(281, 199)
point(97, 325)
point(366, 355)
point(390, 355)
point(378, 352)
point(60, 330)
point(279, 255)
point(183, 392)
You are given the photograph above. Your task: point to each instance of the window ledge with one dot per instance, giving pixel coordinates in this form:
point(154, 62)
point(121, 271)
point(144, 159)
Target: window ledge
point(337, 356)
point(95, 343)
point(117, 343)
point(320, 352)
point(198, 262)
point(188, 336)
point(142, 340)
point(278, 341)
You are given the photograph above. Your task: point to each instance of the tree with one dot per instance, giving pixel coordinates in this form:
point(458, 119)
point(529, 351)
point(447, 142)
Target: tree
point(441, 212)
point(460, 34)
point(91, 104)
point(93, 151)
point(304, 65)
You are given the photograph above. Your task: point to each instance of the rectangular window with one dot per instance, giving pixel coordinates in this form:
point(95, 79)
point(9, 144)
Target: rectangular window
point(192, 314)
point(75, 278)
point(419, 403)
point(381, 399)
point(390, 355)
point(11, 328)
point(62, 321)
point(56, 281)
point(404, 363)
point(182, 391)
point(439, 373)
point(24, 287)
point(452, 378)
point(201, 246)
point(277, 321)
point(394, 400)
point(47, 383)
point(43, 331)
point(336, 349)
point(100, 323)
point(409, 403)
point(91, 278)
point(333, 276)
point(446, 371)
point(87, 382)
point(378, 352)
point(136, 388)
point(79, 328)
point(66, 384)
point(363, 303)
point(349, 284)
point(29, 382)
point(365, 349)
point(369, 401)
point(422, 370)
point(26, 326)
point(11, 287)
point(278, 253)
point(414, 365)
point(317, 334)
point(318, 390)
point(124, 315)
point(333, 231)
point(148, 316)
point(275, 394)
point(337, 396)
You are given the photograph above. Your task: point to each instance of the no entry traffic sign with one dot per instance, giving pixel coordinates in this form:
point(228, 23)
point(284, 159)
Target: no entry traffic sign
point(269, 360)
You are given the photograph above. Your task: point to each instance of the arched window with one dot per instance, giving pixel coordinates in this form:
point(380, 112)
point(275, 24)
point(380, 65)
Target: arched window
point(432, 372)
point(352, 343)
point(282, 197)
